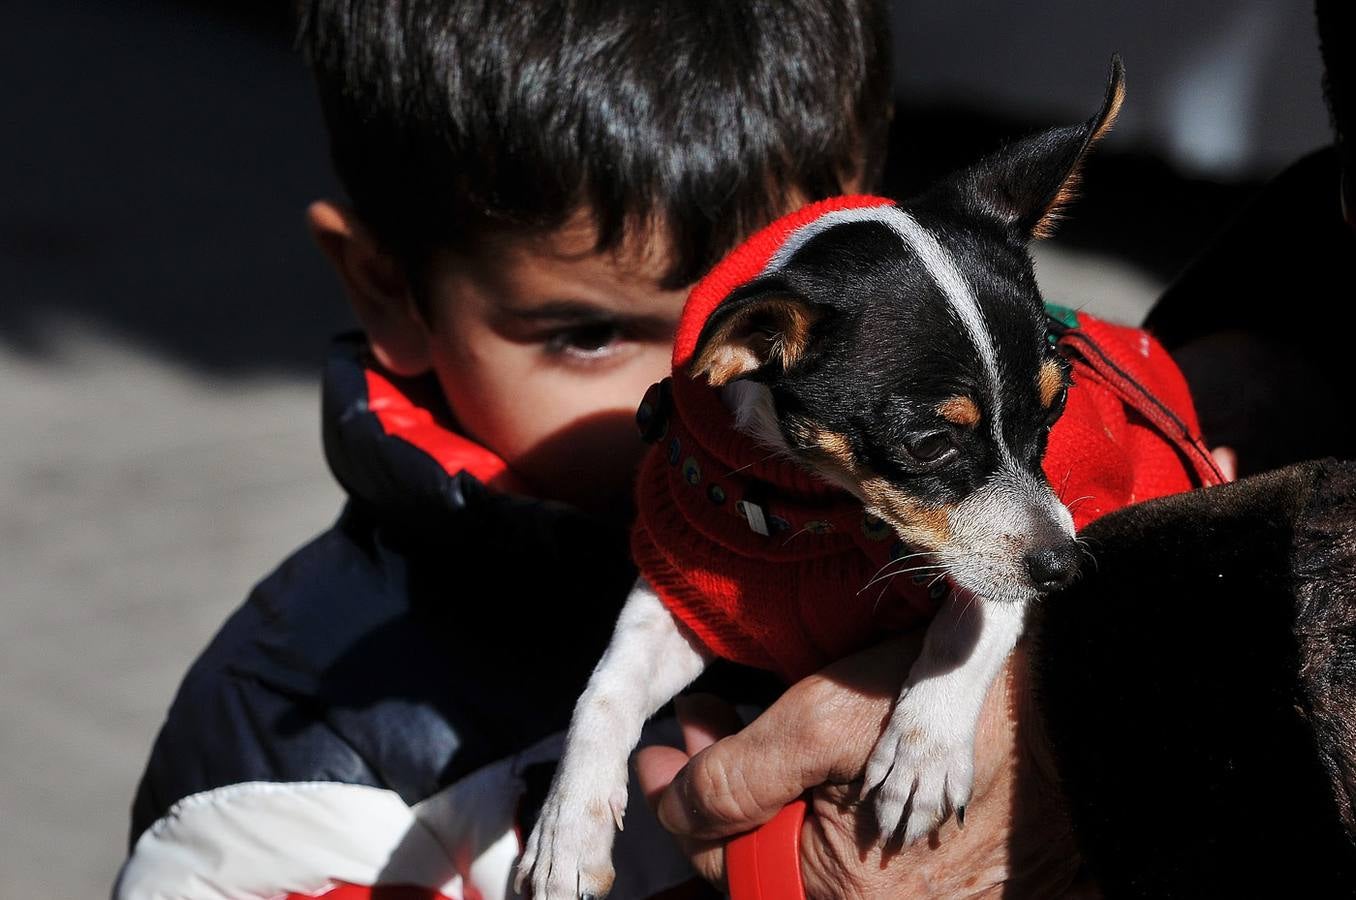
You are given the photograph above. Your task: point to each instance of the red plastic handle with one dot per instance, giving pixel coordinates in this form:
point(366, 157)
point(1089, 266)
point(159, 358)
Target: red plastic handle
point(765, 863)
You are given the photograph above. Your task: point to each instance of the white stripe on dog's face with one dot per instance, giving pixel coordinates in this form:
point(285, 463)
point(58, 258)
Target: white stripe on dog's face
point(945, 274)
point(957, 291)
point(990, 532)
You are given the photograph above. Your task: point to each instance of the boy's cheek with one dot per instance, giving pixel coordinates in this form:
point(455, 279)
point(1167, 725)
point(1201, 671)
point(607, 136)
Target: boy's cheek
point(589, 463)
point(570, 435)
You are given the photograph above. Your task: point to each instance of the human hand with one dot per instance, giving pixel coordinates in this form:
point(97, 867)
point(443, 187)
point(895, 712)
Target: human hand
point(817, 737)
point(1227, 460)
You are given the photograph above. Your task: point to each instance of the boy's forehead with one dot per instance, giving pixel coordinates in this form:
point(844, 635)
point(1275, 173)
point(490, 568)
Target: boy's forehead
point(566, 261)
point(644, 254)
point(516, 273)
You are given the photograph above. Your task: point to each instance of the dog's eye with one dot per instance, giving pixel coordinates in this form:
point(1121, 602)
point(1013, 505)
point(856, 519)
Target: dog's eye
point(1057, 407)
point(929, 447)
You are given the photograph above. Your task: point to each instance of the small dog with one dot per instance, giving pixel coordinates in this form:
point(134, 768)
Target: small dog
point(900, 356)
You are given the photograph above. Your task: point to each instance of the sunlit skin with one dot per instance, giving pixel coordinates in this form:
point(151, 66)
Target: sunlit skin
point(542, 345)
point(544, 348)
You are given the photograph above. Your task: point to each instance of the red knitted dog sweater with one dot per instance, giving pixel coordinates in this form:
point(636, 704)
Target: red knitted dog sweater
point(772, 567)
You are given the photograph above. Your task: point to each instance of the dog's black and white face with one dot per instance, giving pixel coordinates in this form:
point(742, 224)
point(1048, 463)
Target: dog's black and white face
point(901, 352)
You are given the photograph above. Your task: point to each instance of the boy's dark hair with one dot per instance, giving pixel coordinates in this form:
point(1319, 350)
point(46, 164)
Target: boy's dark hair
point(453, 120)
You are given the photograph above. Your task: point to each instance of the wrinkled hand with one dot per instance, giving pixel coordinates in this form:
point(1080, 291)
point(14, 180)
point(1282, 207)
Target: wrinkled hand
point(817, 737)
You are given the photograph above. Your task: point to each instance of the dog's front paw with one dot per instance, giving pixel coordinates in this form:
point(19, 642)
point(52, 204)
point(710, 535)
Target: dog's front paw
point(569, 854)
point(918, 774)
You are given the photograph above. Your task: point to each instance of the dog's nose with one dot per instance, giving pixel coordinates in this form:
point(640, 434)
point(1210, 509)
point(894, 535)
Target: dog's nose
point(1052, 568)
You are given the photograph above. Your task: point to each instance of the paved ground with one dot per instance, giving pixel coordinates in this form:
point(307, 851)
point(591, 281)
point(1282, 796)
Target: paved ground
point(161, 318)
point(140, 502)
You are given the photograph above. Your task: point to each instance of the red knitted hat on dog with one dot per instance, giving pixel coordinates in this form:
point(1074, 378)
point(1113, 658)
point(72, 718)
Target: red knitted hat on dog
point(745, 263)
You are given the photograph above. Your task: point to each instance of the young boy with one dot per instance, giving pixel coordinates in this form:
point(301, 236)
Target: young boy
point(532, 186)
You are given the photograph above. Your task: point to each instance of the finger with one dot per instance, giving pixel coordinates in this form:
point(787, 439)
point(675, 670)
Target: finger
point(717, 794)
point(1227, 460)
point(820, 730)
point(655, 768)
point(704, 719)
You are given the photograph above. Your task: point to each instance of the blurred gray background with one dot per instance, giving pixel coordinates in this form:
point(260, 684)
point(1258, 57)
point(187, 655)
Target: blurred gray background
point(163, 315)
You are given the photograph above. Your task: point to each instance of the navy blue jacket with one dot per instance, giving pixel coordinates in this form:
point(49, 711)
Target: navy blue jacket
point(436, 627)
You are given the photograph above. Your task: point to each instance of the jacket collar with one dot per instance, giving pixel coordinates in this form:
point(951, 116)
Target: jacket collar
point(392, 444)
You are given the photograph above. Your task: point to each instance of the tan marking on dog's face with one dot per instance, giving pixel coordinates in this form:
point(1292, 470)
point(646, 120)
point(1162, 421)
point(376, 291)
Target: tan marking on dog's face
point(828, 451)
point(917, 522)
point(1049, 382)
point(777, 328)
point(837, 447)
point(960, 410)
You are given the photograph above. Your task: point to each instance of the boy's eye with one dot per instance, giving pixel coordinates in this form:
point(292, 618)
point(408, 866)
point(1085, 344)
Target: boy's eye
point(585, 341)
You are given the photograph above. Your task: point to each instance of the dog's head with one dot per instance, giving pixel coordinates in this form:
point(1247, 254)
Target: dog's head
point(901, 352)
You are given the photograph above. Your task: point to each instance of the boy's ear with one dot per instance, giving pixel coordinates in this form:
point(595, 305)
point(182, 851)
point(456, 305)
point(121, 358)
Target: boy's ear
point(760, 324)
point(1027, 185)
point(376, 285)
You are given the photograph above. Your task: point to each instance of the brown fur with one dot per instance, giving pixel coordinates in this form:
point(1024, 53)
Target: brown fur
point(960, 410)
point(928, 526)
point(838, 448)
point(1049, 382)
point(828, 451)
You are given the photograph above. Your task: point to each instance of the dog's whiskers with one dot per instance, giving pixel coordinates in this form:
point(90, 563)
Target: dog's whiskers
point(1064, 484)
point(908, 571)
point(897, 559)
point(756, 462)
point(971, 602)
point(894, 562)
point(879, 597)
point(890, 577)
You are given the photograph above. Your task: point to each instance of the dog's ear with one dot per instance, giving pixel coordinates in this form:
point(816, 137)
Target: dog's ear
point(1027, 184)
point(760, 324)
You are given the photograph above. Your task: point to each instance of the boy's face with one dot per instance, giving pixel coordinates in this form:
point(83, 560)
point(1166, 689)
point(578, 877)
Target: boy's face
point(544, 349)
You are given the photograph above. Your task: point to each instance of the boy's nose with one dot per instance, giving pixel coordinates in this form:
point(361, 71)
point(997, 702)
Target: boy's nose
point(1052, 568)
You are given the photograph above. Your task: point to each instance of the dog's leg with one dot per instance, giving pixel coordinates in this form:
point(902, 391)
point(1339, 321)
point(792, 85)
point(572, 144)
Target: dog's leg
point(649, 660)
point(923, 764)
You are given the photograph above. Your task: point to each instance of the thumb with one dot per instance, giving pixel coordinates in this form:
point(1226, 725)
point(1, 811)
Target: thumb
point(738, 782)
point(820, 731)
point(703, 719)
